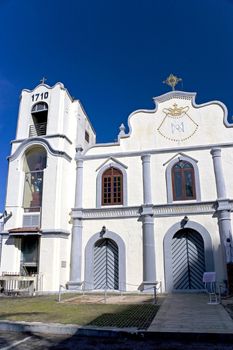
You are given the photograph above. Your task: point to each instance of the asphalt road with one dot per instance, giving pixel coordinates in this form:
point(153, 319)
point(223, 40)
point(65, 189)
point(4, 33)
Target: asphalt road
point(22, 341)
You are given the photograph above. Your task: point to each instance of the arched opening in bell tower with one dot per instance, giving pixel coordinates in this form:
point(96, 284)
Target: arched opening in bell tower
point(39, 114)
point(34, 165)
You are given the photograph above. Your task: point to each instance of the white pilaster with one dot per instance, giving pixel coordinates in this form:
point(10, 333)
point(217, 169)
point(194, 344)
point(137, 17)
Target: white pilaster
point(76, 244)
point(146, 174)
point(218, 172)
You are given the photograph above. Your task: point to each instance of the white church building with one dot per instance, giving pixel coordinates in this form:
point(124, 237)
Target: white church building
point(155, 206)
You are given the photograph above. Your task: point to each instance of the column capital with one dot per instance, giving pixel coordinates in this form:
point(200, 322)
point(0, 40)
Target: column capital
point(145, 157)
point(216, 152)
point(77, 222)
point(79, 164)
point(147, 210)
point(76, 214)
point(79, 161)
point(223, 205)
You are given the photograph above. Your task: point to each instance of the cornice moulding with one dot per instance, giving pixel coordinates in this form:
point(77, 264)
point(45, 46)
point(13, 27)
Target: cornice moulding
point(156, 151)
point(158, 211)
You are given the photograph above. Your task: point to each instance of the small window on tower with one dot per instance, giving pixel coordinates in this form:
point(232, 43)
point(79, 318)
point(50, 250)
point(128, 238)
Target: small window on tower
point(87, 137)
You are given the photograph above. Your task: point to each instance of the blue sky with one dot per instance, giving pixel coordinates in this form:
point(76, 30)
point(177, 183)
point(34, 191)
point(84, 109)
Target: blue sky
point(112, 55)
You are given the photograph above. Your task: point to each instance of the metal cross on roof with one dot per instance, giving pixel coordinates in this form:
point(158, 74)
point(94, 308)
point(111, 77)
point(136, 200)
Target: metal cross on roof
point(172, 81)
point(43, 80)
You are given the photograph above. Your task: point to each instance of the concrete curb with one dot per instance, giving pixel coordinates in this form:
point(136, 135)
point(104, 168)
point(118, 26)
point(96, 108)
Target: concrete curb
point(133, 333)
point(58, 328)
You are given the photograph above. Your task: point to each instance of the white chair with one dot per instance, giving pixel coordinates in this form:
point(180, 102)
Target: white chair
point(209, 279)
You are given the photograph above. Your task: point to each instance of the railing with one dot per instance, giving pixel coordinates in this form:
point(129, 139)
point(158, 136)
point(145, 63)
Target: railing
point(106, 292)
point(37, 129)
point(32, 218)
point(15, 284)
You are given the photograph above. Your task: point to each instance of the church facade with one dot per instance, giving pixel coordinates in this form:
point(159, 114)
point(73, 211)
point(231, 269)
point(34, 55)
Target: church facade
point(153, 207)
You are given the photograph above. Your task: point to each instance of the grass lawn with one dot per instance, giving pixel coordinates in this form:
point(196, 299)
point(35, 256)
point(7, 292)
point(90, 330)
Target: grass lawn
point(47, 309)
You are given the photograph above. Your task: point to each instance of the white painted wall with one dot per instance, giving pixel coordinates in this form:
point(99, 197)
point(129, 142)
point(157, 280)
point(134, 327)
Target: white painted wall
point(210, 130)
point(67, 117)
point(11, 252)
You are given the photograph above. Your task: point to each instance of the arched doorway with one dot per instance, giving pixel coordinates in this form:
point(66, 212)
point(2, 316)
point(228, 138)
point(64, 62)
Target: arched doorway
point(106, 264)
point(188, 260)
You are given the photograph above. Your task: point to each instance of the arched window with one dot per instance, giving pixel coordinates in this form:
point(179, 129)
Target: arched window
point(112, 187)
point(183, 181)
point(34, 164)
point(39, 116)
point(39, 107)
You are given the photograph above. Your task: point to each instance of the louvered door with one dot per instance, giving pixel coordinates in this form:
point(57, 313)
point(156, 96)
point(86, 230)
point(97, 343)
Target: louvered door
point(106, 265)
point(188, 259)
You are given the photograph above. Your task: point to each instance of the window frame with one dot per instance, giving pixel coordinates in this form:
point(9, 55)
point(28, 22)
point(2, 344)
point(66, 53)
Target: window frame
point(34, 108)
point(182, 171)
point(101, 171)
point(169, 181)
point(112, 187)
point(39, 119)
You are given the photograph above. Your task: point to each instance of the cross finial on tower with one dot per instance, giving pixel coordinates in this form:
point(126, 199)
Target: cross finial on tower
point(172, 81)
point(43, 80)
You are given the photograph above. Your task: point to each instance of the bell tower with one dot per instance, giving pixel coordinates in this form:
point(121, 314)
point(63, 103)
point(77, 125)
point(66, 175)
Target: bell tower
point(41, 182)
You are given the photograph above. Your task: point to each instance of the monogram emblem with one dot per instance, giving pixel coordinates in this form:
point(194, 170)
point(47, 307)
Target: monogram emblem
point(177, 127)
